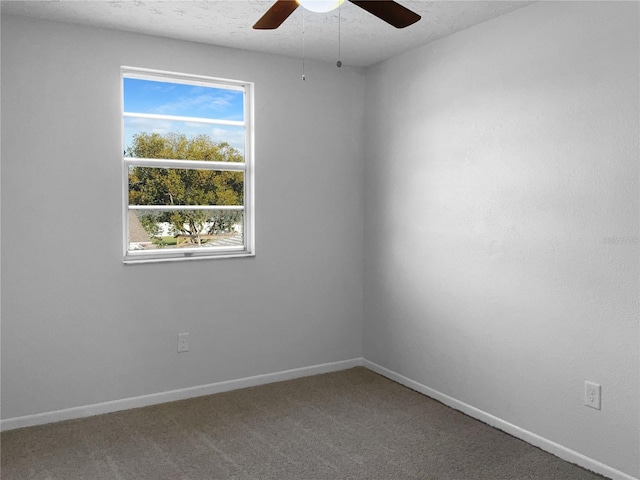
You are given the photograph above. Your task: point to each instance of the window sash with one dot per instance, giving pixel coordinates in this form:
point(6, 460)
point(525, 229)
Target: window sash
point(182, 78)
point(185, 164)
point(248, 223)
point(185, 253)
point(169, 208)
point(177, 118)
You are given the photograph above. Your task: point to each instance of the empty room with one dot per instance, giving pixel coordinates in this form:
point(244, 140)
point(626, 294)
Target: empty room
point(320, 240)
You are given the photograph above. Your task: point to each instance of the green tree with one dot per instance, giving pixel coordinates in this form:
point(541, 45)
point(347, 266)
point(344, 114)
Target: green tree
point(182, 186)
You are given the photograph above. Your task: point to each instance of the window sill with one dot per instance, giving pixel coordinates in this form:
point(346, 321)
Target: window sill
point(135, 260)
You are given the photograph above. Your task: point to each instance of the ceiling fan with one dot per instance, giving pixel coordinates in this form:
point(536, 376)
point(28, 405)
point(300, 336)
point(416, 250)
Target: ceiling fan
point(391, 12)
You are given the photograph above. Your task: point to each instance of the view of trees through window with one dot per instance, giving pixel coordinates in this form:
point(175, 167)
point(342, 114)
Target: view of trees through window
point(185, 165)
point(188, 187)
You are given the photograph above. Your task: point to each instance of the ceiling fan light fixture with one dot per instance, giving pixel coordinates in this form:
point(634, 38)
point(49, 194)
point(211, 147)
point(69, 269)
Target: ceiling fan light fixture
point(320, 6)
point(389, 11)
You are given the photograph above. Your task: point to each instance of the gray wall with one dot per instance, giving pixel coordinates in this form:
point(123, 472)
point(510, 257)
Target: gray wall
point(501, 221)
point(78, 326)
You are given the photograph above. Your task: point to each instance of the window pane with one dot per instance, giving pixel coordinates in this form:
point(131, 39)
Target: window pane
point(153, 138)
point(182, 99)
point(157, 229)
point(183, 186)
point(188, 198)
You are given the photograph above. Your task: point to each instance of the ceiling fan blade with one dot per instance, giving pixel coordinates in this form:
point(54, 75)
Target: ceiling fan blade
point(391, 12)
point(277, 14)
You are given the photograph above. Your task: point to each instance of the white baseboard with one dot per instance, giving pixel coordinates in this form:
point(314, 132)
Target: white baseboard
point(173, 395)
point(219, 387)
point(529, 437)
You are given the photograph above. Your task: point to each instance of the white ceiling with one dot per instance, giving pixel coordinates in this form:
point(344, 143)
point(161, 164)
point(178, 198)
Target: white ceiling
point(364, 39)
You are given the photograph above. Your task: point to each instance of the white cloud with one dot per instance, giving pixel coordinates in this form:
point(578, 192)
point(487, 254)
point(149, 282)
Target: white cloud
point(200, 105)
point(234, 137)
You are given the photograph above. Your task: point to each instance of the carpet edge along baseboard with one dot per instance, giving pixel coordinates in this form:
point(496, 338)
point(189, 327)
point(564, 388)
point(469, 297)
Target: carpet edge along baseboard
point(191, 392)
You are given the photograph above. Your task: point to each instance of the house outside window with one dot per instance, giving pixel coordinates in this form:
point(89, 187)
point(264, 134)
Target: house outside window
point(187, 166)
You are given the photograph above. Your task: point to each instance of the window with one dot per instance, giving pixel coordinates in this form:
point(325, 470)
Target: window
point(187, 166)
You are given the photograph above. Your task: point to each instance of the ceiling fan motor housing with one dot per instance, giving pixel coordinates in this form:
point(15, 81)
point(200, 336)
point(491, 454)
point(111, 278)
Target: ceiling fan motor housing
point(388, 10)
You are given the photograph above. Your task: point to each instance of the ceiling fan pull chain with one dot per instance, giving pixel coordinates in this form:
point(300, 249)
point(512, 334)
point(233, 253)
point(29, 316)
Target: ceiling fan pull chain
point(304, 77)
point(339, 62)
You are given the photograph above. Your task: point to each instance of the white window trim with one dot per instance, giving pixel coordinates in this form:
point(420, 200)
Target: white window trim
point(172, 255)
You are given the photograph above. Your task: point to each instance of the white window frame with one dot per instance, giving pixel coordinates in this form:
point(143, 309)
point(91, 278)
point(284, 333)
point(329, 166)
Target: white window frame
point(186, 253)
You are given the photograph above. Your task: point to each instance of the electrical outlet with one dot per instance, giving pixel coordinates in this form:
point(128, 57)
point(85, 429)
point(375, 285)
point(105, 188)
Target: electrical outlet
point(592, 395)
point(183, 342)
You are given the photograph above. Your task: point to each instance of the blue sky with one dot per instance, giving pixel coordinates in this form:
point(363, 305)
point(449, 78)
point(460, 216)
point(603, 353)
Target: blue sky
point(148, 96)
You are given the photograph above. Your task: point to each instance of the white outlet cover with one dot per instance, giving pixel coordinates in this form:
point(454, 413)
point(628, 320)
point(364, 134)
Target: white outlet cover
point(183, 342)
point(592, 395)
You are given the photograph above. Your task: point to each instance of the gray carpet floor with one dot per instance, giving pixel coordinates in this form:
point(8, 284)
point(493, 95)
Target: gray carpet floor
point(352, 424)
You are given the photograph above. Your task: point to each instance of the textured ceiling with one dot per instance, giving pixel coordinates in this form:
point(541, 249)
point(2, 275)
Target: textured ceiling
point(364, 39)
